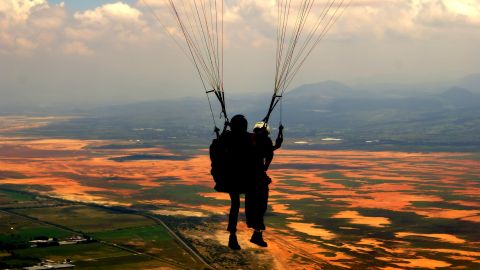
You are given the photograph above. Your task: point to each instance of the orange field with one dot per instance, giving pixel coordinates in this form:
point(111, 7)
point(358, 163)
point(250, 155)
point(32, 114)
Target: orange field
point(345, 209)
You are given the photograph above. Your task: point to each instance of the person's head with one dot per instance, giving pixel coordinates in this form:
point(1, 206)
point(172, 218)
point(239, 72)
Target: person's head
point(238, 124)
point(261, 127)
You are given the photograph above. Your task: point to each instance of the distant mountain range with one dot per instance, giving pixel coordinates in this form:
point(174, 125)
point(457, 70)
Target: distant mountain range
point(471, 82)
point(448, 117)
point(428, 115)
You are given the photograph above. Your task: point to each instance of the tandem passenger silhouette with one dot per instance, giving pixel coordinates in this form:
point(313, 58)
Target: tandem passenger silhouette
point(240, 161)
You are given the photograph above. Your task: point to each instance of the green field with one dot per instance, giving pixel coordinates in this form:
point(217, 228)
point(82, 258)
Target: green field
point(17, 230)
point(87, 219)
point(13, 198)
point(92, 251)
point(121, 240)
point(83, 256)
point(153, 240)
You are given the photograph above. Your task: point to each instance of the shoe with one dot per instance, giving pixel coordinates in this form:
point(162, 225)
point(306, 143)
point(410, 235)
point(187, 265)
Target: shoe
point(257, 239)
point(233, 242)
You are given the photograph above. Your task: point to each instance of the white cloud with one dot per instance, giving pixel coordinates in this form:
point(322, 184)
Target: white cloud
point(48, 17)
point(369, 19)
point(116, 25)
point(81, 34)
point(24, 44)
point(128, 49)
point(20, 10)
point(108, 13)
point(448, 13)
point(27, 25)
point(467, 8)
point(77, 48)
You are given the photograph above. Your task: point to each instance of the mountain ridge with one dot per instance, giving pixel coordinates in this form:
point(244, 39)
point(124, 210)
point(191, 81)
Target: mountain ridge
point(447, 116)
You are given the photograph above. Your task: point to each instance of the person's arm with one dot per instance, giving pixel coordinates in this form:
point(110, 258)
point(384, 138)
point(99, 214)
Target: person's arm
point(269, 154)
point(279, 140)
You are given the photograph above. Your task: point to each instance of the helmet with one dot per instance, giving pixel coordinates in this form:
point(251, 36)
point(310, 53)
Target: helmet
point(262, 124)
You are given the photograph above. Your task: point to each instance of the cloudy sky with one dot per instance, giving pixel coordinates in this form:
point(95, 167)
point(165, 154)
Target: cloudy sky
point(116, 51)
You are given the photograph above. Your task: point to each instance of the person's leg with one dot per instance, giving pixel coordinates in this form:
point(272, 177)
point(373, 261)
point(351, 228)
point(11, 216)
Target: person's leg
point(262, 206)
point(250, 209)
point(233, 215)
point(232, 220)
point(261, 198)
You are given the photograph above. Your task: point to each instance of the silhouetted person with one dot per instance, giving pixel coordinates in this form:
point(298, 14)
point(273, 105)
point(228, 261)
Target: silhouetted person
point(233, 168)
point(240, 161)
point(256, 200)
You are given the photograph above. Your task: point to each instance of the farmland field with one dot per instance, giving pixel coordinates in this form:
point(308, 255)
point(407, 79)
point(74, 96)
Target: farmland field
point(330, 209)
point(86, 219)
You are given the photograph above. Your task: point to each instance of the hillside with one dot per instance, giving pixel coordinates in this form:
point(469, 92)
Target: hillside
point(445, 118)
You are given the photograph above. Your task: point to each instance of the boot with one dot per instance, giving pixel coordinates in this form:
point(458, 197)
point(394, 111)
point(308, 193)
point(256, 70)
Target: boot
point(233, 242)
point(257, 239)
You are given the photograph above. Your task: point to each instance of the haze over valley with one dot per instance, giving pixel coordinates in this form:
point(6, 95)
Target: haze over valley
point(436, 116)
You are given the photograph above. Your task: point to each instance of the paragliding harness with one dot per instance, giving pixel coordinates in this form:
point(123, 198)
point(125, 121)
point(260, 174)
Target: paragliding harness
point(233, 165)
point(222, 157)
point(219, 157)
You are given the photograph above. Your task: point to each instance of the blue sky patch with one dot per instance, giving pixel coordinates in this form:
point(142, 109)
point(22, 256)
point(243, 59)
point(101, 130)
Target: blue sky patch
point(87, 4)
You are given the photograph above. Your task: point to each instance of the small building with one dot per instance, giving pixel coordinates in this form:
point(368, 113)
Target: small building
point(50, 266)
point(44, 242)
point(77, 239)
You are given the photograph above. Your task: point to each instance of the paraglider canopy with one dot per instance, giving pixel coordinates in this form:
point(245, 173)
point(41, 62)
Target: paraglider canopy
point(197, 26)
point(301, 25)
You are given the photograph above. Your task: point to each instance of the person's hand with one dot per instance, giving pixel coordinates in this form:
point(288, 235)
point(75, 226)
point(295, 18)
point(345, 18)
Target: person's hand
point(279, 141)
